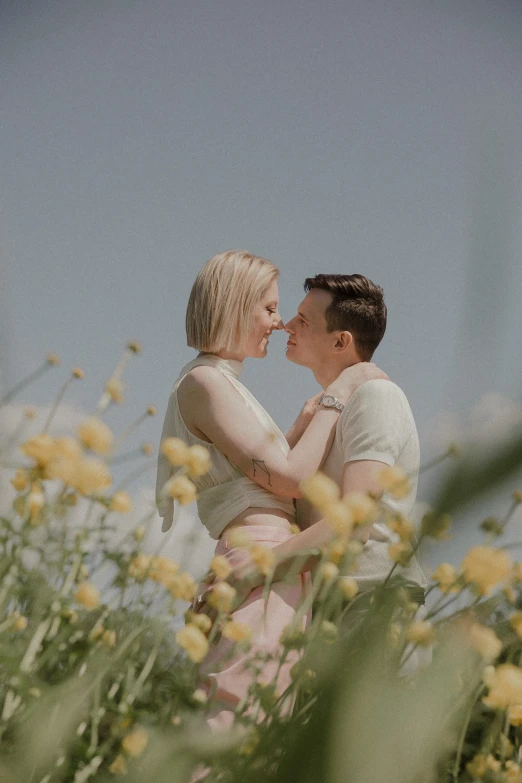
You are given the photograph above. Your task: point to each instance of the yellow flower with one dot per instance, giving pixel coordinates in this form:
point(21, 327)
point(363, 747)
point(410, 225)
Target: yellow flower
point(400, 553)
point(395, 481)
point(480, 764)
point(336, 551)
point(88, 595)
point(515, 622)
point(120, 502)
point(505, 687)
point(139, 567)
point(29, 413)
point(446, 575)
point(35, 502)
point(151, 410)
point(517, 495)
point(485, 642)
point(182, 586)
point(134, 346)
point(329, 571)
point(262, 557)
point(90, 476)
point(162, 569)
point(109, 638)
point(148, 449)
point(515, 714)
point(222, 596)
point(53, 358)
point(175, 450)
point(338, 517)
point(193, 641)
point(78, 373)
point(115, 388)
point(39, 448)
point(199, 696)
point(329, 632)
point(403, 527)
point(96, 435)
point(181, 489)
point(220, 566)
point(485, 567)
point(236, 631)
point(513, 773)
point(348, 586)
point(201, 621)
point(67, 454)
point(135, 742)
point(198, 461)
point(364, 509)
point(20, 480)
point(138, 533)
point(510, 594)
point(20, 623)
point(320, 490)
point(421, 632)
point(517, 572)
point(118, 766)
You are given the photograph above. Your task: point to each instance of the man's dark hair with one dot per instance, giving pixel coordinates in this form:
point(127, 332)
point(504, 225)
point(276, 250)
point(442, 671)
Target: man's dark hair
point(357, 306)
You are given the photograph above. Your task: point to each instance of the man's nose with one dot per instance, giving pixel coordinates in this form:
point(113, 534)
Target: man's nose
point(290, 326)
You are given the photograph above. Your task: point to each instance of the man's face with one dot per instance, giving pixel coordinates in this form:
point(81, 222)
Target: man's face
point(309, 343)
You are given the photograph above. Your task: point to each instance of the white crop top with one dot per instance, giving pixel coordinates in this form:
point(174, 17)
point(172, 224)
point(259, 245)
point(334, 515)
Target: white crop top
point(223, 492)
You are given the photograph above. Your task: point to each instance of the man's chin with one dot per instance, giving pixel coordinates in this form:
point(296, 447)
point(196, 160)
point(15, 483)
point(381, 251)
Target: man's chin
point(292, 356)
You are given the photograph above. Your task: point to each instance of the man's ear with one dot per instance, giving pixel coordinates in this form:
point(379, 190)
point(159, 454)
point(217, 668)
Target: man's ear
point(343, 342)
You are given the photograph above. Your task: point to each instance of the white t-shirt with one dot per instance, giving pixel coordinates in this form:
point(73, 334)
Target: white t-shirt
point(376, 424)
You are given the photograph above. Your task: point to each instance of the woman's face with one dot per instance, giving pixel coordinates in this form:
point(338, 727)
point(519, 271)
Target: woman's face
point(266, 319)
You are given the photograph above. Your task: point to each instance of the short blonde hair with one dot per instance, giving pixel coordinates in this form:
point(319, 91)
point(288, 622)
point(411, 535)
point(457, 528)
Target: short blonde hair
point(221, 305)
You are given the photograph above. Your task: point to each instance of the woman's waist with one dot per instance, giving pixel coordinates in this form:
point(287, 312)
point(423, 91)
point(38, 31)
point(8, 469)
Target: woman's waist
point(263, 517)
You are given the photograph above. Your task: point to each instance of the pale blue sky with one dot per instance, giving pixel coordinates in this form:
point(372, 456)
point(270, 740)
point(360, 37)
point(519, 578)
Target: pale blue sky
point(139, 138)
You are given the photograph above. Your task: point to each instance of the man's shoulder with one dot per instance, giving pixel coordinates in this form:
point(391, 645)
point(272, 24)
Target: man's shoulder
point(378, 391)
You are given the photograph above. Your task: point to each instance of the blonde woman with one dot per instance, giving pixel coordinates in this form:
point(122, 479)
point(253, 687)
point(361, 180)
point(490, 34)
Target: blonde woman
point(255, 470)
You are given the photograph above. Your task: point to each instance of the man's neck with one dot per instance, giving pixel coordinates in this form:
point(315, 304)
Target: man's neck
point(327, 375)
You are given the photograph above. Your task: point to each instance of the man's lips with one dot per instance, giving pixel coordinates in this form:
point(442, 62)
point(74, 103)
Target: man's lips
point(289, 342)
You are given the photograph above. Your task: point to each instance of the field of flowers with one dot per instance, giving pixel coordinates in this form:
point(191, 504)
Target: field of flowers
point(98, 679)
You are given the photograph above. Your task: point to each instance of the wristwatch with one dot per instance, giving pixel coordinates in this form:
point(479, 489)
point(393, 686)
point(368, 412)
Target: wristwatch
point(329, 401)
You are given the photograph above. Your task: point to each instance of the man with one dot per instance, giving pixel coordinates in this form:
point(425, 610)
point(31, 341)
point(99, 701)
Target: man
point(340, 322)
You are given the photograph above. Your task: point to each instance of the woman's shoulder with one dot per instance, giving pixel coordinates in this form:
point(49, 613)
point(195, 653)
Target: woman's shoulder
point(203, 381)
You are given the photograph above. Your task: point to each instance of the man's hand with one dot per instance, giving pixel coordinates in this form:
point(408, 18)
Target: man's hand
point(352, 377)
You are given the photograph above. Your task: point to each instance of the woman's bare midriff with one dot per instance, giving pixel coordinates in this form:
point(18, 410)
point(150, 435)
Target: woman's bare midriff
point(272, 517)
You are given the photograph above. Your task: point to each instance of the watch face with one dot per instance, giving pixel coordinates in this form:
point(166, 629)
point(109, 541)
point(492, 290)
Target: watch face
point(328, 400)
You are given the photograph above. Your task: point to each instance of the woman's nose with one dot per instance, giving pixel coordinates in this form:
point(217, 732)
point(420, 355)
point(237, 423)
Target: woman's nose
point(278, 322)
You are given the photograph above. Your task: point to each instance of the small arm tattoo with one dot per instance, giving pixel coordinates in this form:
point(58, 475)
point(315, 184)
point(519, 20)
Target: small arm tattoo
point(259, 464)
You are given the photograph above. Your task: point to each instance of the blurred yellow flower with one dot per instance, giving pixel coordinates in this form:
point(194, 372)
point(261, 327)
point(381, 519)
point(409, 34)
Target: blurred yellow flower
point(115, 389)
point(78, 373)
point(198, 461)
point(39, 448)
point(96, 435)
point(401, 553)
point(193, 641)
point(263, 557)
point(162, 569)
point(421, 632)
point(404, 528)
point(445, 575)
point(118, 766)
point(481, 764)
point(249, 743)
point(200, 620)
point(120, 502)
point(220, 566)
point(329, 571)
point(20, 623)
point(238, 538)
point(148, 449)
point(236, 631)
point(139, 567)
point(29, 413)
point(200, 696)
point(338, 517)
point(395, 482)
point(90, 476)
point(485, 641)
point(222, 596)
point(320, 490)
point(139, 533)
point(348, 586)
point(181, 489)
point(513, 772)
point(108, 638)
point(20, 481)
point(515, 622)
point(364, 509)
point(152, 410)
point(505, 686)
point(515, 714)
point(329, 632)
point(88, 595)
point(516, 572)
point(336, 550)
point(182, 586)
point(134, 346)
point(53, 358)
point(35, 503)
point(175, 450)
point(135, 742)
point(517, 495)
point(485, 567)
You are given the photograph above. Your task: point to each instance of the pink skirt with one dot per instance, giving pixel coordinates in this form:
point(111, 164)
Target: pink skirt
point(227, 675)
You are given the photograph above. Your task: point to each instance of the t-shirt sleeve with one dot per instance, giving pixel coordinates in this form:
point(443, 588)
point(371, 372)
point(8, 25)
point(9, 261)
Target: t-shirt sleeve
point(375, 424)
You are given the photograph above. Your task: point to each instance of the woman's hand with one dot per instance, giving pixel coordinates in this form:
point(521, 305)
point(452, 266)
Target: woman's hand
point(306, 415)
point(352, 377)
point(244, 578)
